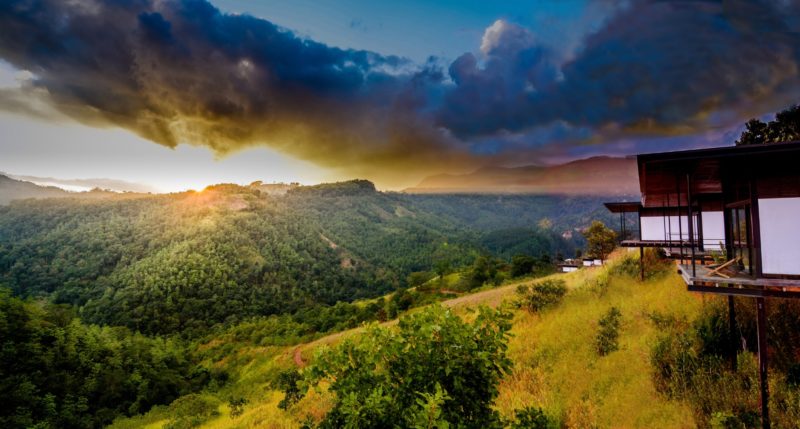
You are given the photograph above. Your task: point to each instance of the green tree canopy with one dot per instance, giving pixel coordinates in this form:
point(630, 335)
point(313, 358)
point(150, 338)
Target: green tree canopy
point(434, 365)
point(600, 239)
point(785, 127)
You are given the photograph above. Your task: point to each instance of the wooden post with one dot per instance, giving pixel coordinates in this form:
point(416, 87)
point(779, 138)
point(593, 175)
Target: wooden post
point(733, 341)
point(678, 209)
point(690, 221)
point(641, 262)
point(762, 361)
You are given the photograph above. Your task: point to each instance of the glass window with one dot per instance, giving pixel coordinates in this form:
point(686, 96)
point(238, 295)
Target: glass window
point(740, 235)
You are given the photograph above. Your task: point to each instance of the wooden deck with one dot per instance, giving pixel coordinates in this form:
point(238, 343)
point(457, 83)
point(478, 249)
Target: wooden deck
point(655, 243)
point(740, 284)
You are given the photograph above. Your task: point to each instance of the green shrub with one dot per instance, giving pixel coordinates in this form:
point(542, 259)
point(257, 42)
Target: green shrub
point(601, 283)
point(433, 368)
point(236, 406)
point(690, 362)
point(656, 264)
point(419, 278)
point(541, 294)
point(607, 339)
point(288, 382)
point(191, 410)
point(531, 418)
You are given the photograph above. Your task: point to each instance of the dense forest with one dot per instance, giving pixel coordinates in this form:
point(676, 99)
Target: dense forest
point(184, 262)
point(58, 372)
point(127, 283)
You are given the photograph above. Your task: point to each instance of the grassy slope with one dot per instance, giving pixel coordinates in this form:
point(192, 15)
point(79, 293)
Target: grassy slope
point(556, 367)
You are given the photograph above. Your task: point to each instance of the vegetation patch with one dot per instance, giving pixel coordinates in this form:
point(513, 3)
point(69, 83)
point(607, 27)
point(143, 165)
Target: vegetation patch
point(607, 339)
point(693, 361)
point(541, 294)
point(435, 369)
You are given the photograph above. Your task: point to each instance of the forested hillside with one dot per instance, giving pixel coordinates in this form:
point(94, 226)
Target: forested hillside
point(240, 262)
point(184, 262)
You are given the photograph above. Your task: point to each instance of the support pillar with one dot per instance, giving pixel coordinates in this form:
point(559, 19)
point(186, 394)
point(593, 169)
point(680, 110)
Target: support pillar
point(641, 263)
point(762, 362)
point(733, 340)
point(690, 221)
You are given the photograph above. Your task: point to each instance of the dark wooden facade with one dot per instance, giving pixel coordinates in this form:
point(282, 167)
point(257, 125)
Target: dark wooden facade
point(736, 181)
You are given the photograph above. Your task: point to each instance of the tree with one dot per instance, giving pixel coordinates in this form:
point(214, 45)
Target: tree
point(442, 261)
point(435, 368)
point(755, 133)
point(484, 269)
point(785, 127)
point(600, 239)
point(522, 265)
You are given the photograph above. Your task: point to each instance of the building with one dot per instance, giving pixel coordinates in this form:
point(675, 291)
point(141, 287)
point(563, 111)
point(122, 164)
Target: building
point(569, 265)
point(739, 203)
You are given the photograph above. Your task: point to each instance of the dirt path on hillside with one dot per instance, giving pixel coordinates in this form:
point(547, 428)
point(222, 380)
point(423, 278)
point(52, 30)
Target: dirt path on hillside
point(298, 358)
point(491, 298)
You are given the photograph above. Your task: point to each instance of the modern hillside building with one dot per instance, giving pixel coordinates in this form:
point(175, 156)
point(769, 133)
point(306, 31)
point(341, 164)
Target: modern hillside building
point(740, 203)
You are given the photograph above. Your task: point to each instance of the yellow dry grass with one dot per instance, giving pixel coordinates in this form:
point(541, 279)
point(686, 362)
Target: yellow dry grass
point(555, 364)
point(558, 369)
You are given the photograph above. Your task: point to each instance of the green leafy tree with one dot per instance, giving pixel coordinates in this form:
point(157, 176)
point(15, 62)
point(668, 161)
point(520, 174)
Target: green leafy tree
point(600, 239)
point(785, 127)
point(607, 339)
point(755, 133)
point(434, 368)
point(484, 269)
point(522, 265)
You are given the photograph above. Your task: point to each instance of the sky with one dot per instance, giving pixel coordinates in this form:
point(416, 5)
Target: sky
point(178, 94)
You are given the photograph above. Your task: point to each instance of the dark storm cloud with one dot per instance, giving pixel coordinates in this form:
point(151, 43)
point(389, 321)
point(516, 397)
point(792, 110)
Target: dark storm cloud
point(180, 71)
point(654, 67)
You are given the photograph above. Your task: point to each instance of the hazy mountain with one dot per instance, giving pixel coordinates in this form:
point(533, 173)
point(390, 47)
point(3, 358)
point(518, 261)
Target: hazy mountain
point(88, 184)
point(11, 189)
point(592, 176)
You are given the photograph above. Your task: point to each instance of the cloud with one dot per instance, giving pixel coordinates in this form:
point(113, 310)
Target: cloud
point(653, 68)
point(181, 71)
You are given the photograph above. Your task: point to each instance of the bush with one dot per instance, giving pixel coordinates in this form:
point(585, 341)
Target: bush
point(607, 339)
point(288, 382)
point(435, 367)
point(601, 283)
point(690, 362)
point(541, 294)
point(419, 278)
point(726, 420)
point(656, 264)
point(531, 418)
point(236, 406)
point(191, 410)
point(522, 265)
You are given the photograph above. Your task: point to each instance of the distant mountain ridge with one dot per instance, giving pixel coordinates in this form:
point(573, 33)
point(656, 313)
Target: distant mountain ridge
point(79, 185)
point(592, 176)
point(11, 189)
